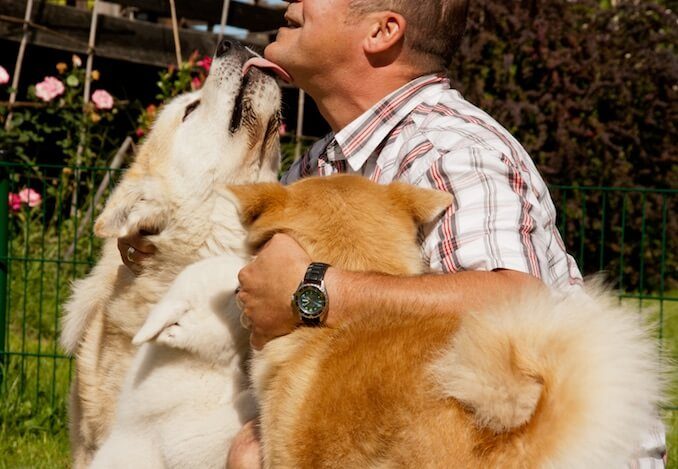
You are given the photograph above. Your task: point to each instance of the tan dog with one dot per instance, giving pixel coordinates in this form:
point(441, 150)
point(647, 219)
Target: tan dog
point(225, 133)
point(537, 381)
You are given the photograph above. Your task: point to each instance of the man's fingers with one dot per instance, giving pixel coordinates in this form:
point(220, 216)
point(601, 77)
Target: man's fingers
point(140, 242)
point(134, 250)
point(245, 448)
point(258, 340)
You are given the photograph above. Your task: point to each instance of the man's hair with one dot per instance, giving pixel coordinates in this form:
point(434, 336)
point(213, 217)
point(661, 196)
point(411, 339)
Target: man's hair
point(434, 27)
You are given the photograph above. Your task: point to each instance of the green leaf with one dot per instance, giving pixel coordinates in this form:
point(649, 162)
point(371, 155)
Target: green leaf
point(72, 81)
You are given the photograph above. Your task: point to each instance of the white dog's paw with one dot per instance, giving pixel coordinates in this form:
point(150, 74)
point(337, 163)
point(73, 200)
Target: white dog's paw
point(198, 312)
point(163, 321)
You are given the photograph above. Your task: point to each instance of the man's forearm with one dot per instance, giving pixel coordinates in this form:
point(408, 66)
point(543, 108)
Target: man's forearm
point(353, 293)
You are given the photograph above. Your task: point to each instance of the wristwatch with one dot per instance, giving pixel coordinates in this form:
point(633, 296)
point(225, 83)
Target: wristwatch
point(310, 301)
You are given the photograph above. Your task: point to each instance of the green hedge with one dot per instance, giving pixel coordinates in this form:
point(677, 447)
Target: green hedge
point(591, 92)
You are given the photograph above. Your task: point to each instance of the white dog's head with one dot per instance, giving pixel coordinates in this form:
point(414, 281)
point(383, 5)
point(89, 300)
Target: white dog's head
point(224, 133)
point(198, 313)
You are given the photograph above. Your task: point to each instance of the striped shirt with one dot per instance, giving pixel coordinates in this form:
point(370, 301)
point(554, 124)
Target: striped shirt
point(426, 134)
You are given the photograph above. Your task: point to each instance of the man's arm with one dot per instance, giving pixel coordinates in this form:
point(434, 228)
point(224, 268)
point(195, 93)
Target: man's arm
point(268, 303)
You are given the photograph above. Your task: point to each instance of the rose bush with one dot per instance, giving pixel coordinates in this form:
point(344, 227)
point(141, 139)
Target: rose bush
point(102, 99)
point(4, 76)
point(30, 197)
point(49, 88)
point(60, 119)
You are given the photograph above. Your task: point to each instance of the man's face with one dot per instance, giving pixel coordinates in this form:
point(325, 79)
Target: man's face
point(321, 35)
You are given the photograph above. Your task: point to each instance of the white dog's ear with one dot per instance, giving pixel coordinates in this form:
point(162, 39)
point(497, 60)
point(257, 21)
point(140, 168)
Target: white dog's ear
point(164, 315)
point(255, 199)
point(112, 221)
point(134, 206)
point(424, 204)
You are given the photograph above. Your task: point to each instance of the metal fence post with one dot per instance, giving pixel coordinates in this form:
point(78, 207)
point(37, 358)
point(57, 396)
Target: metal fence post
point(4, 260)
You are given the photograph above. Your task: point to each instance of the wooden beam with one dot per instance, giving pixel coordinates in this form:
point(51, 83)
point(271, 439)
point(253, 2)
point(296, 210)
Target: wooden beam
point(242, 15)
point(67, 28)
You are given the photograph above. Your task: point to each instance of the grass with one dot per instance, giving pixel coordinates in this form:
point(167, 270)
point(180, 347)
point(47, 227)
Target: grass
point(33, 429)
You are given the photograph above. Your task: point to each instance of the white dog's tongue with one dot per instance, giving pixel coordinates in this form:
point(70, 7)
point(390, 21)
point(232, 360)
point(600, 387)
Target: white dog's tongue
point(260, 62)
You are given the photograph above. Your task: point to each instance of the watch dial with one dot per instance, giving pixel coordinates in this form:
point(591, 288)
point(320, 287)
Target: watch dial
point(311, 301)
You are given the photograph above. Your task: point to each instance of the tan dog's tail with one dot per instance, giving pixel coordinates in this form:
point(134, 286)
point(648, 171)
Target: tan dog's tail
point(580, 378)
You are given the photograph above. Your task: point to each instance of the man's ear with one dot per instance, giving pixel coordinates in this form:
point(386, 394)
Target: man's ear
point(255, 199)
point(385, 34)
point(424, 204)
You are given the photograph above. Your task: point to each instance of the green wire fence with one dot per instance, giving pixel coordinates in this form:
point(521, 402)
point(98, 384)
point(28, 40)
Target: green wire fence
point(623, 232)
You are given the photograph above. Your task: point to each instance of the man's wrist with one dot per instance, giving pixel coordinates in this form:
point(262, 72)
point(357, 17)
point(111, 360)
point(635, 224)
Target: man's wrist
point(310, 301)
point(333, 282)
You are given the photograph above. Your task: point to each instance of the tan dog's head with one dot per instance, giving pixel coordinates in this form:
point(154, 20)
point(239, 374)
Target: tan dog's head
point(224, 133)
point(344, 220)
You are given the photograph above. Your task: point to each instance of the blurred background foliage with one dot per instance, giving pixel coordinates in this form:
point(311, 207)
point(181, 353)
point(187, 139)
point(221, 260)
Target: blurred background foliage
point(590, 91)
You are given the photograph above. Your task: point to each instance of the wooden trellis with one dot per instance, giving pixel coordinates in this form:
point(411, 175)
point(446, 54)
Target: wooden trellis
point(244, 16)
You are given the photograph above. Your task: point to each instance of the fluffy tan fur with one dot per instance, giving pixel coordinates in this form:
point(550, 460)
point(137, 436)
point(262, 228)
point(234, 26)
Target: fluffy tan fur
point(537, 381)
point(173, 188)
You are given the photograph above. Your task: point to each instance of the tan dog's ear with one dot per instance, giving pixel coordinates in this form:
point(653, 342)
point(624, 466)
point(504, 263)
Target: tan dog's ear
point(255, 199)
point(424, 204)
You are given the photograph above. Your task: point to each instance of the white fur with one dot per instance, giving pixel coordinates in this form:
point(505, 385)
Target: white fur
point(592, 363)
point(174, 187)
point(185, 395)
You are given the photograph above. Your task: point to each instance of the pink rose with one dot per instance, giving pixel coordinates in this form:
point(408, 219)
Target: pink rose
point(282, 130)
point(4, 76)
point(102, 99)
point(205, 63)
point(140, 132)
point(30, 197)
point(49, 88)
point(196, 83)
point(14, 202)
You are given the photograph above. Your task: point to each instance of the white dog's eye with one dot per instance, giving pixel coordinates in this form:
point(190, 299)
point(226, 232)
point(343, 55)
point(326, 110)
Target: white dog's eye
point(190, 108)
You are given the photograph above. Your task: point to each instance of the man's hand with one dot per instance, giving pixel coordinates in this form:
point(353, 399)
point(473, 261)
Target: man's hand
point(267, 285)
point(134, 250)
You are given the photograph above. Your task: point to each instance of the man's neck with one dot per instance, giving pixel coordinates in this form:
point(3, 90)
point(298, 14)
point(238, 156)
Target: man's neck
point(350, 98)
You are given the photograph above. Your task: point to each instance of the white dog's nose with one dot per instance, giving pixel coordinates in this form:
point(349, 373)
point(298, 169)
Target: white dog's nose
point(224, 47)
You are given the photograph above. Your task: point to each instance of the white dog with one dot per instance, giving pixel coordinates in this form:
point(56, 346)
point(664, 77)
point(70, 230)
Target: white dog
point(224, 133)
point(184, 396)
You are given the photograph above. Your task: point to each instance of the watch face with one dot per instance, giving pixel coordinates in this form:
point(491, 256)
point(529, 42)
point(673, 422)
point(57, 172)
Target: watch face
point(311, 300)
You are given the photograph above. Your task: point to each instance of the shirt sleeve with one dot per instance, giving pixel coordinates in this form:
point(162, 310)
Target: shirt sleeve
point(491, 223)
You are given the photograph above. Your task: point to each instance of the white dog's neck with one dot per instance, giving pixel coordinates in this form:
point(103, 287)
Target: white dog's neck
point(226, 235)
point(202, 227)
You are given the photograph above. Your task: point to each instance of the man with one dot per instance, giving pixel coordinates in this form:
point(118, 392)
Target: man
point(376, 68)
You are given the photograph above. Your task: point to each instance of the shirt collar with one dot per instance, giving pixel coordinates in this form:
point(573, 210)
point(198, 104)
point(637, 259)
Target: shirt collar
point(358, 140)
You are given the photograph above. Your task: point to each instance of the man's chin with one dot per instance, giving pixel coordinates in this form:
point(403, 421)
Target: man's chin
point(275, 52)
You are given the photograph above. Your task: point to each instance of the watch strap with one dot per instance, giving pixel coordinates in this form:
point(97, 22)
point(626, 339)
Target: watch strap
point(316, 272)
point(314, 322)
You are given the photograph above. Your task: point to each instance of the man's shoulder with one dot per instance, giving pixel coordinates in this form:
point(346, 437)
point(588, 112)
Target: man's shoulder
point(451, 123)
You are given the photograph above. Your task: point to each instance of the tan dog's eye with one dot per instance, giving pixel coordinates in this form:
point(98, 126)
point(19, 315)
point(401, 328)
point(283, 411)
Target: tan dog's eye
point(190, 108)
